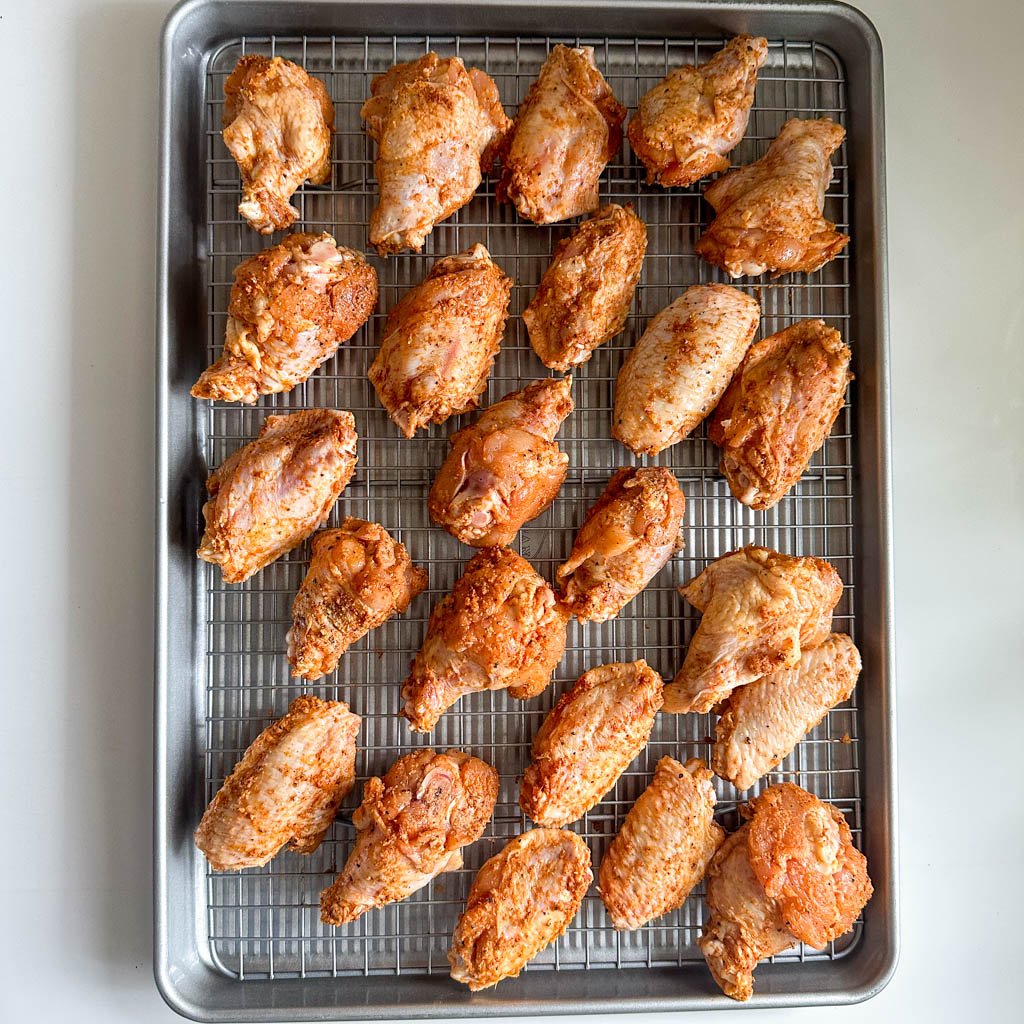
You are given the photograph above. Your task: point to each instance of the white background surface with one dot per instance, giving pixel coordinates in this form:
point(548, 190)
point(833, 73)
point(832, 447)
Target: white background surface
point(78, 146)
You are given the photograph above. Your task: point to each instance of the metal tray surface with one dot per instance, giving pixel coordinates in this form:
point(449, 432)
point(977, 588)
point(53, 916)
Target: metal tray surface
point(250, 945)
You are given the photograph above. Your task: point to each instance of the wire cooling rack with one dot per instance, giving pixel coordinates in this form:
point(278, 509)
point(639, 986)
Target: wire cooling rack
point(265, 923)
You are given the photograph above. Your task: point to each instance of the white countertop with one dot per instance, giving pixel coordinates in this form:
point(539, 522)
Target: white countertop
point(78, 91)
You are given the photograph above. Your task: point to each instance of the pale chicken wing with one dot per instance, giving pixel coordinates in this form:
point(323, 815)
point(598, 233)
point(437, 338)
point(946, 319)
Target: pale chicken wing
point(270, 495)
point(762, 722)
point(291, 307)
point(440, 341)
point(663, 847)
point(501, 627)
point(681, 366)
point(359, 576)
point(437, 127)
point(588, 740)
point(684, 127)
point(504, 469)
point(567, 129)
point(631, 531)
point(779, 409)
point(521, 901)
point(277, 125)
point(584, 297)
point(768, 215)
point(761, 610)
point(410, 827)
point(285, 789)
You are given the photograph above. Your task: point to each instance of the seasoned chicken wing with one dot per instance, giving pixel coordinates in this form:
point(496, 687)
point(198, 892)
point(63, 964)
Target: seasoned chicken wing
point(277, 125)
point(585, 294)
point(681, 366)
point(684, 127)
point(791, 874)
point(631, 531)
point(270, 495)
point(762, 609)
point(763, 721)
point(359, 576)
point(437, 127)
point(779, 409)
point(410, 827)
point(504, 469)
point(663, 847)
point(588, 740)
point(440, 341)
point(286, 788)
point(567, 129)
point(500, 628)
point(521, 901)
point(768, 215)
point(291, 307)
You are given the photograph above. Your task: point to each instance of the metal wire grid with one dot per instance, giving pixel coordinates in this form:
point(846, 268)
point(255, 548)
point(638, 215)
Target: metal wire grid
point(265, 923)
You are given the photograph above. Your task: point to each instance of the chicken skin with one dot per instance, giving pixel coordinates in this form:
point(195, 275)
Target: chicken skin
point(631, 531)
point(410, 827)
point(437, 127)
point(270, 495)
point(779, 409)
point(664, 846)
point(500, 628)
point(762, 722)
point(440, 341)
point(504, 469)
point(761, 610)
point(291, 307)
point(359, 576)
point(681, 366)
point(277, 125)
point(286, 788)
point(567, 129)
point(684, 127)
point(768, 215)
point(791, 874)
point(584, 297)
point(521, 901)
point(588, 740)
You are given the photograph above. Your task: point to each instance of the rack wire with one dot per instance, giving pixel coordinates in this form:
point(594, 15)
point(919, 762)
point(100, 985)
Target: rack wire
point(265, 923)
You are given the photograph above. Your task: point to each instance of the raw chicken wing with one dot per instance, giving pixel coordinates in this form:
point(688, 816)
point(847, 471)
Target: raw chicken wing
point(286, 788)
point(270, 495)
point(410, 827)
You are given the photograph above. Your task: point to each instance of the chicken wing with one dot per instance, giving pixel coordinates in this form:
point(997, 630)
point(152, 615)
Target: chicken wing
point(277, 125)
point(567, 129)
point(504, 469)
point(359, 576)
point(440, 341)
point(762, 722)
point(761, 610)
point(410, 827)
point(681, 366)
point(632, 530)
point(437, 127)
point(270, 495)
point(500, 628)
point(779, 409)
point(585, 294)
point(521, 901)
point(291, 307)
point(588, 741)
point(791, 874)
point(285, 789)
point(768, 215)
point(664, 846)
point(684, 127)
